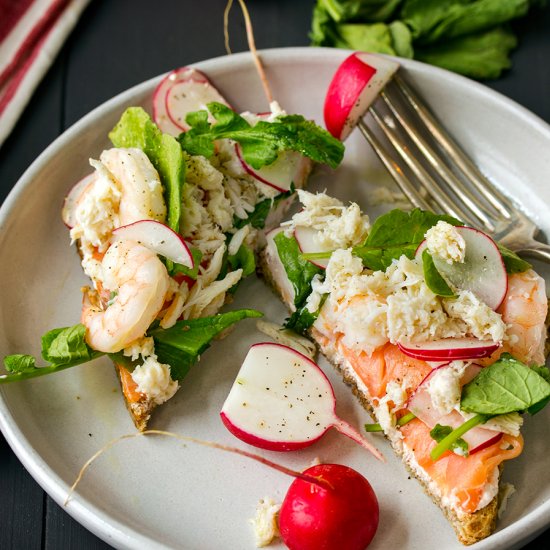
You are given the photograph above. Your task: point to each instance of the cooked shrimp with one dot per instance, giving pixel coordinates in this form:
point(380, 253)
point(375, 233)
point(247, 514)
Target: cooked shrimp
point(139, 282)
point(125, 188)
point(524, 311)
point(141, 190)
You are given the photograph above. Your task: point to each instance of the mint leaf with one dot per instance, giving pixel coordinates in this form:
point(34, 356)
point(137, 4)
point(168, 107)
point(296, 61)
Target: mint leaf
point(261, 143)
point(397, 233)
point(136, 129)
point(458, 446)
point(181, 345)
point(436, 283)
point(512, 262)
point(505, 386)
point(300, 272)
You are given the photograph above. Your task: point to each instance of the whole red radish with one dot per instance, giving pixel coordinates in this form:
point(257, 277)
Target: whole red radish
point(343, 515)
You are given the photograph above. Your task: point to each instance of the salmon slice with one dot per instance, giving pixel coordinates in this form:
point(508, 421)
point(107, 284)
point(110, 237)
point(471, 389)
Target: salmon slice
point(458, 477)
point(129, 387)
point(463, 479)
point(386, 364)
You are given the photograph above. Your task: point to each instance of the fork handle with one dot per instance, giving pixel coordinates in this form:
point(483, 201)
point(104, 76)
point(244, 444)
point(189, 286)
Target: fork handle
point(535, 250)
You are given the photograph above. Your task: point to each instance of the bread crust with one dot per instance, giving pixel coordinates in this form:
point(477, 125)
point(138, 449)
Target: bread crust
point(470, 528)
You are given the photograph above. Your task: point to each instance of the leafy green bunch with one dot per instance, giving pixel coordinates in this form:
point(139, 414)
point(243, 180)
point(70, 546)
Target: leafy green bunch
point(470, 37)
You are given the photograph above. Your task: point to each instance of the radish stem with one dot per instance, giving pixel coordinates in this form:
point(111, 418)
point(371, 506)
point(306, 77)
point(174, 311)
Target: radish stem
point(320, 482)
point(346, 429)
point(251, 44)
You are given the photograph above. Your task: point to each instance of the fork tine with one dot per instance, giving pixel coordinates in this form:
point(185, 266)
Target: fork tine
point(433, 188)
point(394, 169)
point(501, 203)
point(438, 164)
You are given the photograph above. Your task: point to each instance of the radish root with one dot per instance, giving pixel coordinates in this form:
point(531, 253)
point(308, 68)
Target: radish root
point(320, 482)
point(251, 44)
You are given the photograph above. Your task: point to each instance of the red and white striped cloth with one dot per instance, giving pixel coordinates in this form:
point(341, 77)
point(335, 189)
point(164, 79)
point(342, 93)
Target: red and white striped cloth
point(31, 34)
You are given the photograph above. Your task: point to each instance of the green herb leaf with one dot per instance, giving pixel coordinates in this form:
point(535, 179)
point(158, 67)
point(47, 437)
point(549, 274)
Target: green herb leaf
point(483, 55)
point(512, 262)
point(434, 20)
point(302, 319)
point(19, 363)
point(261, 211)
point(466, 36)
point(505, 386)
point(244, 259)
point(458, 446)
point(62, 348)
point(184, 270)
point(181, 345)
point(397, 233)
point(136, 129)
point(262, 143)
point(435, 281)
point(300, 272)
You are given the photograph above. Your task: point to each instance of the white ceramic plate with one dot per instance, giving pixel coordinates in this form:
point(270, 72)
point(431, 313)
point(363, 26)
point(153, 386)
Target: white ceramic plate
point(157, 492)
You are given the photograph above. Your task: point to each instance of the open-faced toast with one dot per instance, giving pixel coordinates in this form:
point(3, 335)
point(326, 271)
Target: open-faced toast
point(417, 357)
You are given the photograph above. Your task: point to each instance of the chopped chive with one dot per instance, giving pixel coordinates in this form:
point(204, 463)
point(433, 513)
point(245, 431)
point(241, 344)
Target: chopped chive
point(400, 422)
point(457, 433)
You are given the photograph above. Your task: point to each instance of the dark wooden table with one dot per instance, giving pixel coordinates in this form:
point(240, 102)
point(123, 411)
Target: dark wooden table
point(119, 43)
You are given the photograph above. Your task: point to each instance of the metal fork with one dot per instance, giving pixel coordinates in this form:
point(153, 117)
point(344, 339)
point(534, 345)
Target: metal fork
point(446, 178)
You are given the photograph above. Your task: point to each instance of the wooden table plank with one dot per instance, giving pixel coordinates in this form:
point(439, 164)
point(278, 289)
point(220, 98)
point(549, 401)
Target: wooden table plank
point(21, 503)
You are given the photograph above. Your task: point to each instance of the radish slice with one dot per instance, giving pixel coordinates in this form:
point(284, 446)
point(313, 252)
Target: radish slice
point(420, 404)
point(449, 349)
point(71, 200)
point(180, 92)
point(288, 169)
point(282, 401)
point(277, 270)
point(354, 87)
point(308, 241)
point(482, 272)
point(159, 238)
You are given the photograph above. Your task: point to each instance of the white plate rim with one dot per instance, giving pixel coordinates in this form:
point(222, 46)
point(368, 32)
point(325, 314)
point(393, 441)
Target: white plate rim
point(117, 533)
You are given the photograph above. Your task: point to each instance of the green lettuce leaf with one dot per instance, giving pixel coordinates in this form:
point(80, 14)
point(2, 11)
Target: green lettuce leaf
point(261, 143)
point(136, 129)
point(300, 272)
point(181, 345)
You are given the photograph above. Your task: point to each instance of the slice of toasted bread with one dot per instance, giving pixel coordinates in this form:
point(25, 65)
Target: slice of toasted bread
point(469, 527)
point(139, 405)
